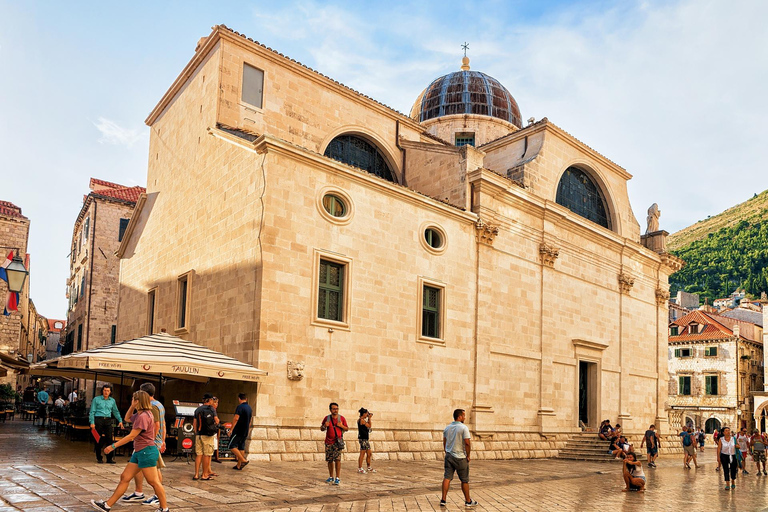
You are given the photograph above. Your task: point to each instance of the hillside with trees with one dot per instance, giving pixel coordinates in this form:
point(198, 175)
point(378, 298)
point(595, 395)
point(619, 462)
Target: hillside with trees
point(724, 252)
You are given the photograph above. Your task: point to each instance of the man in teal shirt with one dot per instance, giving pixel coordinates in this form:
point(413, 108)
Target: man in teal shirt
point(103, 408)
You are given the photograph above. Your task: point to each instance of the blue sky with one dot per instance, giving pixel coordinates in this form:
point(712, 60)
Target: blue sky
point(672, 91)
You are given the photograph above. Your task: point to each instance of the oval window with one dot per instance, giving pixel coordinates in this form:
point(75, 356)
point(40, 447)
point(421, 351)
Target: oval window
point(334, 205)
point(433, 238)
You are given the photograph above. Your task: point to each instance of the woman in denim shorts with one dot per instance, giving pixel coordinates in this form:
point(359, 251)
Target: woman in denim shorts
point(145, 454)
point(363, 437)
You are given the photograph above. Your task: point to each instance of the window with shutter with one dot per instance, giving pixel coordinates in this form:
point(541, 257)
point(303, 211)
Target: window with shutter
point(711, 384)
point(430, 317)
point(685, 385)
point(330, 297)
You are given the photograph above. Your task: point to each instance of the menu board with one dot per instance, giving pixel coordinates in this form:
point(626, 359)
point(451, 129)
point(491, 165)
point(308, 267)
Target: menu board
point(224, 438)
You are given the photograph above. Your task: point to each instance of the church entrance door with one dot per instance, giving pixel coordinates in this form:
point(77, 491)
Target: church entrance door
point(587, 396)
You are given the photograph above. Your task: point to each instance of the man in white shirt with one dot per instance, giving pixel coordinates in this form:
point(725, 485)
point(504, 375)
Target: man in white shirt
point(72, 397)
point(457, 449)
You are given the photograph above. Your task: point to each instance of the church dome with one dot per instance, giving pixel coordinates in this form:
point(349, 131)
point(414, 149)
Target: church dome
point(466, 92)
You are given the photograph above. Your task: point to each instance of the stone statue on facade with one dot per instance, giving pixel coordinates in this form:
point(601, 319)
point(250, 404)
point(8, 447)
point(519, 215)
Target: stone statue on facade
point(653, 218)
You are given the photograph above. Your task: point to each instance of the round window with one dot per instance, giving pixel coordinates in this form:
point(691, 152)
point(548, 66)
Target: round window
point(334, 205)
point(433, 238)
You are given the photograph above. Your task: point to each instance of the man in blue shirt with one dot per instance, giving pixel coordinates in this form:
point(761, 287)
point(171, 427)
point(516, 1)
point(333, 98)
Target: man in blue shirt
point(103, 408)
point(42, 406)
point(457, 446)
point(240, 431)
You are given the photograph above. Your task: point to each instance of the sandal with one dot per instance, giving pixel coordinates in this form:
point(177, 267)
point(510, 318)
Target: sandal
point(195, 477)
point(206, 478)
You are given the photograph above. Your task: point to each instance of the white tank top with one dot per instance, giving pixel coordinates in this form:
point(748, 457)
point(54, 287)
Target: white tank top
point(727, 447)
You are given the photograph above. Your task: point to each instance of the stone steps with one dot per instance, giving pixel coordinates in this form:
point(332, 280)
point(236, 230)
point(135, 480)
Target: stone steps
point(589, 447)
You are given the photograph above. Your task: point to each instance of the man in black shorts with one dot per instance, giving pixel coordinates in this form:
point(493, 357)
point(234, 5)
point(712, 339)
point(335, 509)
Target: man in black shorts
point(651, 442)
point(239, 433)
point(457, 446)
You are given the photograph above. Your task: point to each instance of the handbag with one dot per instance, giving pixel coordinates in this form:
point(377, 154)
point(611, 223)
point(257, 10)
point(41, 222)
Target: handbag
point(338, 442)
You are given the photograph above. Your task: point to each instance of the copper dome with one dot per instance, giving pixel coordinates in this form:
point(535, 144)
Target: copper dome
point(466, 92)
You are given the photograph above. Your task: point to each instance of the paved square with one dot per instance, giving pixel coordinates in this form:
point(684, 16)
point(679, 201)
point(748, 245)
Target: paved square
point(42, 472)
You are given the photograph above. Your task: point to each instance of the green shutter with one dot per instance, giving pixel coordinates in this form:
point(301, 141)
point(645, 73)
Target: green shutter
point(330, 294)
point(711, 383)
point(677, 352)
point(430, 315)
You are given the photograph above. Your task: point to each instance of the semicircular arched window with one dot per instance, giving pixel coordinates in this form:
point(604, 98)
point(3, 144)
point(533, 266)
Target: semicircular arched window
point(358, 152)
point(580, 194)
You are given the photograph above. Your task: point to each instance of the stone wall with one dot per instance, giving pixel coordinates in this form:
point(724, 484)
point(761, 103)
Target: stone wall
point(14, 234)
point(295, 444)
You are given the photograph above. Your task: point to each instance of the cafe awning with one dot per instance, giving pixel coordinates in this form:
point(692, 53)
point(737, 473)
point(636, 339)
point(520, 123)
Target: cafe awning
point(157, 354)
point(9, 362)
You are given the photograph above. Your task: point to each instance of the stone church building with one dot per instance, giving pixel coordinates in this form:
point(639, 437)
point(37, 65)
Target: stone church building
point(452, 258)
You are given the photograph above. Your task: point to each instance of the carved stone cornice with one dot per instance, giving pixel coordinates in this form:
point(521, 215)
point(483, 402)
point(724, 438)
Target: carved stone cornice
point(673, 263)
point(548, 254)
point(662, 296)
point(485, 233)
point(626, 282)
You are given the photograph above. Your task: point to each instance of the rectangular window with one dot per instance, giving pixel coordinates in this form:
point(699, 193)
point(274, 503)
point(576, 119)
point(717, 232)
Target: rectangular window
point(464, 139)
point(430, 314)
point(710, 351)
point(710, 382)
point(123, 226)
point(685, 385)
point(86, 228)
point(113, 336)
point(673, 330)
point(182, 301)
point(82, 287)
point(330, 296)
point(683, 352)
point(151, 311)
point(431, 311)
point(80, 337)
point(253, 85)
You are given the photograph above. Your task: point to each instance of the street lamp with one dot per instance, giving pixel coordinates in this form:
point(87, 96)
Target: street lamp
point(17, 274)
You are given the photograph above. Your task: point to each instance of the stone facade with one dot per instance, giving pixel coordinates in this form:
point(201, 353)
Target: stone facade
point(532, 298)
point(14, 234)
point(92, 288)
point(703, 346)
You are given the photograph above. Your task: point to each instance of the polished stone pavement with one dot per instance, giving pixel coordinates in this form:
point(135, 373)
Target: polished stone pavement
point(41, 472)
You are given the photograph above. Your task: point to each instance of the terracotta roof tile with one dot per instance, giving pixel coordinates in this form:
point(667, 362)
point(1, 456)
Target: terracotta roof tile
point(102, 183)
point(702, 336)
point(8, 209)
point(125, 194)
point(52, 325)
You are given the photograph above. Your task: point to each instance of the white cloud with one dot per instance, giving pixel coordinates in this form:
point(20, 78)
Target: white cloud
point(672, 91)
point(113, 133)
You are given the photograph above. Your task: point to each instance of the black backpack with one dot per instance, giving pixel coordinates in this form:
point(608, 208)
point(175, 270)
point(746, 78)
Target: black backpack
point(207, 421)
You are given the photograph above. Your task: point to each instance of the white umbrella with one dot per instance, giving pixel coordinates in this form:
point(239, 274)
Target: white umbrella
point(156, 354)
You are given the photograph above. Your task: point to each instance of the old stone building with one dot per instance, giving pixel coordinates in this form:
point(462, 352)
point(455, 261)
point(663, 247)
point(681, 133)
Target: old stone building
point(94, 268)
point(407, 264)
point(19, 330)
point(715, 368)
point(54, 340)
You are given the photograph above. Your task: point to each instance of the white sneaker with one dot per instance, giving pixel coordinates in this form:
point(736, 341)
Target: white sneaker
point(151, 501)
point(361, 470)
point(132, 498)
point(371, 470)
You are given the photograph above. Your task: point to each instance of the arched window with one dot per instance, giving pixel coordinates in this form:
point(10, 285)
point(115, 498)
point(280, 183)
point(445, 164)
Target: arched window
point(578, 193)
point(358, 152)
